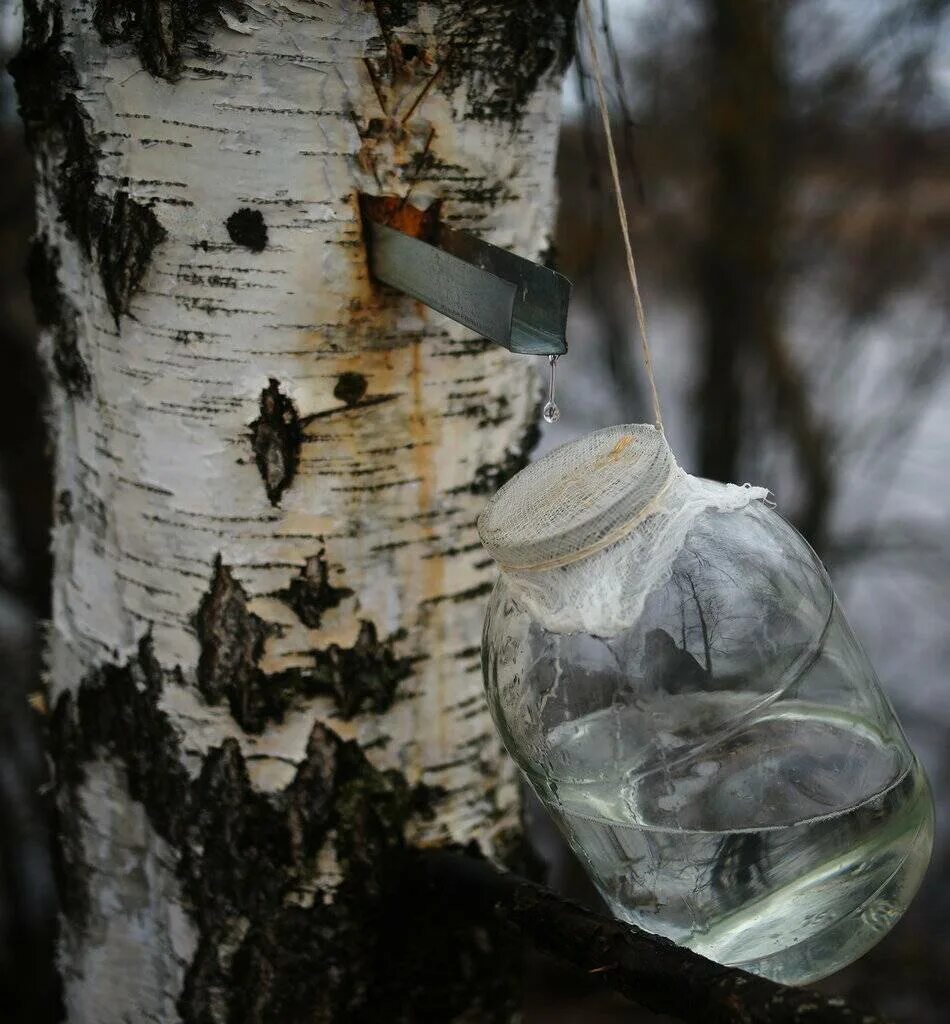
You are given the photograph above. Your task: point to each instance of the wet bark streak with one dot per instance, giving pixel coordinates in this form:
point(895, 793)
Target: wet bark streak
point(236, 423)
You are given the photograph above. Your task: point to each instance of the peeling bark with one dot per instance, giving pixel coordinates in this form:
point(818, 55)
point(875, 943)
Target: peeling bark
point(262, 693)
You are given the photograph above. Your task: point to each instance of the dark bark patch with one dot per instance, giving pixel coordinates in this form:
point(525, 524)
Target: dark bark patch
point(43, 72)
point(55, 311)
point(361, 678)
point(160, 30)
point(276, 437)
point(64, 507)
point(81, 208)
point(246, 227)
point(69, 862)
point(232, 642)
point(350, 387)
point(491, 475)
point(311, 594)
point(47, 84)
point(124, 233)
point(125, 250)
point(267, 954)
point(394, 13)
point(500, 52)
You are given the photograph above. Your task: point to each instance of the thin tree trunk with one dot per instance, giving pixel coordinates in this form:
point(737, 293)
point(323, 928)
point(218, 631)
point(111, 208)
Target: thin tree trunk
point(263, 658)
point(738, 260)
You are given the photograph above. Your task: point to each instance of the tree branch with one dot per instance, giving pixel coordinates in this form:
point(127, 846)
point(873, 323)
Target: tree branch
point(645, 968)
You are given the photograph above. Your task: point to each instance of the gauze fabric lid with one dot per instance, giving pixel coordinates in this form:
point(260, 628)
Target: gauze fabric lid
point(578, 498)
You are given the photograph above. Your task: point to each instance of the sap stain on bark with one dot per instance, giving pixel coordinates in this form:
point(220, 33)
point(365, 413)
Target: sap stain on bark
point(125, 250)
point(160, 30)
point(232, 643)
point(246, 227)
point(54, 311)
point(350, 387)
point(276, 437)
point(311, 594)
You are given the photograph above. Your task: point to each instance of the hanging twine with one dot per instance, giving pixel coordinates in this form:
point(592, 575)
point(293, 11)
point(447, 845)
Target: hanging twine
point(621, 211)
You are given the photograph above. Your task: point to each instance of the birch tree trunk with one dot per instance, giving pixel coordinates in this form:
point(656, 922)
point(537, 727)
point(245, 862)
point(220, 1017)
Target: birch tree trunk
point(264, 652)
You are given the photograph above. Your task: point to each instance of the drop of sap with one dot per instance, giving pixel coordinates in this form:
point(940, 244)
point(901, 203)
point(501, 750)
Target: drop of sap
point(551, 412)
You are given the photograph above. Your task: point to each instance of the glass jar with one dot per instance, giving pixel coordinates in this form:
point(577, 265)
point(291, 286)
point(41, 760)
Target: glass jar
point(668, 665)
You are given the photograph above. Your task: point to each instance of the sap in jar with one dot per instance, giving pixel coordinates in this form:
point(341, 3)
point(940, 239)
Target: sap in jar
point(668, 665)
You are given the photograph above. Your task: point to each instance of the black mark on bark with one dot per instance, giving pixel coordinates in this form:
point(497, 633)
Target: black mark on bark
point(350, 388)
point(311, 594)
point(160, 29)
point(246, 227)
point(125, 250)
point(55, 311)
point(276, 437)
point(232, 642)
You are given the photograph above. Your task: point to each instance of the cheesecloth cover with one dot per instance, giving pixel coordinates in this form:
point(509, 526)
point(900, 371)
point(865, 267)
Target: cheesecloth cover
point(587, 532)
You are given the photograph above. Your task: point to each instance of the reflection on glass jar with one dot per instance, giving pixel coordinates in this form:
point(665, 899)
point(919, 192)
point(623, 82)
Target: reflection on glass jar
point(668, 665)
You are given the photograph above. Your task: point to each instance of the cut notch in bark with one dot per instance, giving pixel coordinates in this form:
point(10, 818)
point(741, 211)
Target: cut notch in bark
point(276, 437)
point(395, 212)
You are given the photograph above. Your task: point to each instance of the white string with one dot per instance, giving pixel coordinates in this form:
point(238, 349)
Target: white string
point(622, 211)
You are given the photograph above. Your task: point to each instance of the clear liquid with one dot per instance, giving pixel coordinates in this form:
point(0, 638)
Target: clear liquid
point(787, 847)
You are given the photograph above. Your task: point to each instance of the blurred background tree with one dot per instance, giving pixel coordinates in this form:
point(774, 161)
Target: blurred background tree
point(786, 168)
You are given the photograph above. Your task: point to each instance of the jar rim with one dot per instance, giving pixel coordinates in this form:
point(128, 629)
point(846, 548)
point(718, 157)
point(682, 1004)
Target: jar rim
point(578, 499)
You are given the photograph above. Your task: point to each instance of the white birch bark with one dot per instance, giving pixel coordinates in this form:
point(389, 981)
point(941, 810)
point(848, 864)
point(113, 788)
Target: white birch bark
point(155, 467)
